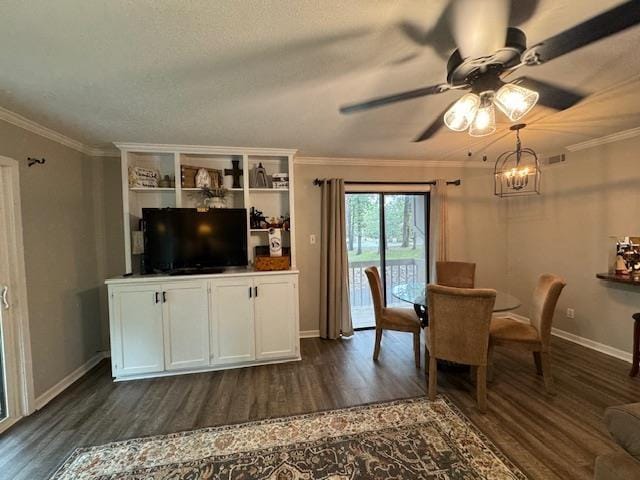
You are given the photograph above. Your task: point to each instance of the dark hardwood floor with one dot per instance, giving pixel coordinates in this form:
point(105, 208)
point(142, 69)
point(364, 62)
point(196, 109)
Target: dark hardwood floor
point(548, 437)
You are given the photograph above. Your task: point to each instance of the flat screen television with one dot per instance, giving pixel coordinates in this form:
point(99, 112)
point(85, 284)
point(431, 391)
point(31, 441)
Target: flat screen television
point(185, 240)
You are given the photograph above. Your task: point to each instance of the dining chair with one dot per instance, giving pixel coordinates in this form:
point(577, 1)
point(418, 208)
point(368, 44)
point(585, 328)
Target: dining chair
point(398, 319)
point(456, 274)
point(459, 320)
point(534, 336)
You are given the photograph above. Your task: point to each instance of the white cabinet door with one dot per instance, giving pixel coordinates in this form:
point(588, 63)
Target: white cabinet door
point(275, 307)
point(186, 324)
point(137, 344)
point(232, 331)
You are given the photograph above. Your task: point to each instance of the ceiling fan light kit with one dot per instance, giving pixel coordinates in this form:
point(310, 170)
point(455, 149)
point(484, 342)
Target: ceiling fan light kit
point(515, 101)
point(460, 116)
point(484, 74)
point(484, 122)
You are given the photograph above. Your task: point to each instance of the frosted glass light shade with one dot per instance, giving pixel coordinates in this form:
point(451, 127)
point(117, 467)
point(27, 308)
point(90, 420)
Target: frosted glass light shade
point(515, 101)
point(484, 122)
point(461, 113)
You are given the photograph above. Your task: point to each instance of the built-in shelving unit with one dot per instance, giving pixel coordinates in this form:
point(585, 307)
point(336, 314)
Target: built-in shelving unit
point(169, 160)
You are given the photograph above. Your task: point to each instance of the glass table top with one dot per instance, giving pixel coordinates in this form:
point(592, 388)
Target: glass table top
point(415, 293)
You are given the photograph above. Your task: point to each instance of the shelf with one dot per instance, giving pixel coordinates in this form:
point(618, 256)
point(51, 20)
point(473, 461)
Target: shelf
point(269, 190)
point(259, 230)
point(619, 278)
point(190, 189)
point(148, 189)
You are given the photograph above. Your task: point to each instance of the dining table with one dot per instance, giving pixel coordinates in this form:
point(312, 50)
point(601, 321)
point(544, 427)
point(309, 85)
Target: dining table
point(415, 293)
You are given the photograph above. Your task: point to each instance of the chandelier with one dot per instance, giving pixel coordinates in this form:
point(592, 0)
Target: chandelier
point(477, 112)
point(517, 172)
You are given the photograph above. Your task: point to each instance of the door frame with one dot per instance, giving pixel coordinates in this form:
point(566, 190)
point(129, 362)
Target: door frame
point(394, 189)
point(17, 338)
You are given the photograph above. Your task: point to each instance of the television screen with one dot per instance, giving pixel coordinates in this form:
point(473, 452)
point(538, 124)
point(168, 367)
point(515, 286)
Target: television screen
point(178, 239)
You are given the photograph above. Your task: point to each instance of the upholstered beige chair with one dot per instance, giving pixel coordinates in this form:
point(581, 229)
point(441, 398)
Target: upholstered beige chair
point(536, 335)
point(459, 320)
point(456, 274)
point(399, 319)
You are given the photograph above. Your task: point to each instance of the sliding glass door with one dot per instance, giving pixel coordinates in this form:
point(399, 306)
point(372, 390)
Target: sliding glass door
point(389, 231)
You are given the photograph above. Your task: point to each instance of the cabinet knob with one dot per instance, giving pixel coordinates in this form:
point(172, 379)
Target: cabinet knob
point(157, 296)
point(164, 297)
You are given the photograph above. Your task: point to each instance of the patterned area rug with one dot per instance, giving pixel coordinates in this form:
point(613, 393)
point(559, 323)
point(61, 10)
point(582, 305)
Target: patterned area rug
point(403, 439)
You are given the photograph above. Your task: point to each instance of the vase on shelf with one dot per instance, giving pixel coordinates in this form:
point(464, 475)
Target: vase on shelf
point(215, 202)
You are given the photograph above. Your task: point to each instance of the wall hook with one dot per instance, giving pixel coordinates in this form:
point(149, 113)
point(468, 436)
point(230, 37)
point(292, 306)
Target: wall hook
point(34, 161)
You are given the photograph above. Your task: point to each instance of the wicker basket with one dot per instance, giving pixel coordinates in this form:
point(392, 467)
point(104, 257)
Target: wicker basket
point(266, 263)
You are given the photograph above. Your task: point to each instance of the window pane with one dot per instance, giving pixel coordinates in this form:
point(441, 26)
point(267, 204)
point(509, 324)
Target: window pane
point(405, 242)
point(363, 250)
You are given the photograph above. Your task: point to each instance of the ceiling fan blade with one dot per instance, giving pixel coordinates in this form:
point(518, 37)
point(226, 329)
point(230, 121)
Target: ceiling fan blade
point(479, 27)
point(551, 95)
point(608, 23)
point(432, 129)
point(398, 97)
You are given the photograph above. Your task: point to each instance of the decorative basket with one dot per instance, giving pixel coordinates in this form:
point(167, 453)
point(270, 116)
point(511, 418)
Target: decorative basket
point(266, 263)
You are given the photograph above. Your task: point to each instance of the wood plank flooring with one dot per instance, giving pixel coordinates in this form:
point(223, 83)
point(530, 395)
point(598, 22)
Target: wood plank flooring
point(548, 437)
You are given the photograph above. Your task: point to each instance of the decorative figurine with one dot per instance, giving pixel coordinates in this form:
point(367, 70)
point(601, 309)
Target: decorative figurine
point(621, 266)
point(236, 172)
point(203, 179)
point(256, 219)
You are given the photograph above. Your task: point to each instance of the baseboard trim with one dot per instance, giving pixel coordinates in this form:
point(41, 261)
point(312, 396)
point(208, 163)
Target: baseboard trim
point(585, 342)
point(67, 381)
point(309, 333)
point(593, 345)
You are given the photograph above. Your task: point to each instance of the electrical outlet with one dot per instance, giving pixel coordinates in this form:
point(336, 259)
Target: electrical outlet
point(312, 239)
point(571, 313)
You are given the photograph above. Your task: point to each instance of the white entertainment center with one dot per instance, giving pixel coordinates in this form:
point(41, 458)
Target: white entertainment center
point(164, 324)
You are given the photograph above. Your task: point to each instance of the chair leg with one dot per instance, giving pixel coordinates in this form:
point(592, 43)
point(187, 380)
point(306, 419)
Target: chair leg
point(426, 360)
point(416, 348)
point(490, 366)
point(545, 361)
point(433, 377)
point(538, 362)
point(481, 387)
point(376, 348)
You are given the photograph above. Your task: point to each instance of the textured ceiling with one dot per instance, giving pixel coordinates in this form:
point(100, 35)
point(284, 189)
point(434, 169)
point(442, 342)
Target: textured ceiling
point(273, 74)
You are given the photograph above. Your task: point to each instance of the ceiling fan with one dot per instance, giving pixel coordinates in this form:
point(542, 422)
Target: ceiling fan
point(481, 64)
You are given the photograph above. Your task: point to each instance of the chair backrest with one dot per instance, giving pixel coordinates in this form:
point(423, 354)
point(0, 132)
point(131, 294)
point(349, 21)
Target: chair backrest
point(543, 304)
point(456, 274)
point(459, 320)
point(375, 284)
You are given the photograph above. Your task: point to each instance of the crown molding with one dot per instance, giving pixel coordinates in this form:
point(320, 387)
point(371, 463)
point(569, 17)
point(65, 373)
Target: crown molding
point(614, 137)
point(202, 149)
point(46, 132)
point(34, 127)
point(385, 162)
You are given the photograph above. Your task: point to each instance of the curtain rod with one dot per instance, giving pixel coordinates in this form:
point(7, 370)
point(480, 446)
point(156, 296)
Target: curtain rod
point(320, 181)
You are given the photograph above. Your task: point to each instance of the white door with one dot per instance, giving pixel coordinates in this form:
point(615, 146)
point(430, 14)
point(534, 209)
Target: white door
point(8, 363)
point(275, 317)
point(232, 331)
point(137, 346)
point(186, 324)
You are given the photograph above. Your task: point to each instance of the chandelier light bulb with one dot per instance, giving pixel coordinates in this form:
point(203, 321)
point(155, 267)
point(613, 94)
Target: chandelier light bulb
point(462, 113)
point(515, 101)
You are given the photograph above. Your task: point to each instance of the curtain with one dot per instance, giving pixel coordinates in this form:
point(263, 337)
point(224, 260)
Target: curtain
point(438, 227)
point(335, 314)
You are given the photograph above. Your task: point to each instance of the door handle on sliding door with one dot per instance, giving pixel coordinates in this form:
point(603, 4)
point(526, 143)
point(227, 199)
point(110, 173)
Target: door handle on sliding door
point(3, 295)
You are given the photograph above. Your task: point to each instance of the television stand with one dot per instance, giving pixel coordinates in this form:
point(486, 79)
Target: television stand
point(197, 271)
